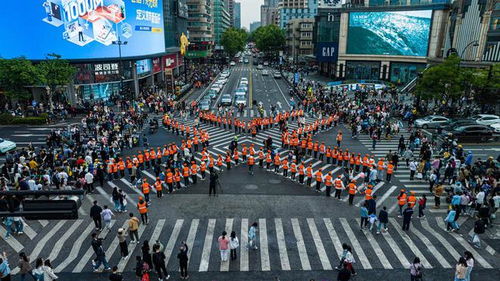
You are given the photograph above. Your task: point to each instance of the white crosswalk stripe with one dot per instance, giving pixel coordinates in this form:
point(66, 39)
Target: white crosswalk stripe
point(441, 247)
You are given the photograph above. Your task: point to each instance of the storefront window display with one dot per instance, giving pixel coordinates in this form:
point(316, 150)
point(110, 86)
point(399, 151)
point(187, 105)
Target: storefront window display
point(402, 73)
point(362, 70)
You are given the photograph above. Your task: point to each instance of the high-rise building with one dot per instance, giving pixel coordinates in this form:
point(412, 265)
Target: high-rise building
point(237, 15)
point(299, 38)
point(296, 9)
point(230, 9)
point(200, 27)
point(269, 12)
point(254, 25)
point(221, 19)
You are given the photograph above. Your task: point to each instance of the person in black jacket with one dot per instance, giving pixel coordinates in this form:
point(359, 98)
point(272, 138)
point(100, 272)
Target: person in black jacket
point(383, 220)
point(183, 262)
point(95, 214)
point(159, 263)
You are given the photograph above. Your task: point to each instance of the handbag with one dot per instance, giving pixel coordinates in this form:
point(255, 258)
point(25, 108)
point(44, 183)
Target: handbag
point(420, 176)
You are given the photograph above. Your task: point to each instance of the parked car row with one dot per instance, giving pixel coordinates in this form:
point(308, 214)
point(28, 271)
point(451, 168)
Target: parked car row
point(214, 90)
point(481, 127)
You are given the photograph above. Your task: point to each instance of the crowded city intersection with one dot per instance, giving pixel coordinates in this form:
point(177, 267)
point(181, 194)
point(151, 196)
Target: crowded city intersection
point(282, 188)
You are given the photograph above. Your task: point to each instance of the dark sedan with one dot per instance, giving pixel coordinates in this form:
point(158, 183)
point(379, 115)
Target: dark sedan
point(471, 133)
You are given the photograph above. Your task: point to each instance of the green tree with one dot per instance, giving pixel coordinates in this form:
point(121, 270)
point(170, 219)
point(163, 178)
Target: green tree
point(55, 74)
point(442, 81)
point(269, 38)
point(15, 75)
point(483, 83)
point(234, 40)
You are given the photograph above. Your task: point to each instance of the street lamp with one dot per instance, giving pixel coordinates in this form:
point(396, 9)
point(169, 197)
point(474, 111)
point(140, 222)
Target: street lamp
point(474, 43)
point(120, 43)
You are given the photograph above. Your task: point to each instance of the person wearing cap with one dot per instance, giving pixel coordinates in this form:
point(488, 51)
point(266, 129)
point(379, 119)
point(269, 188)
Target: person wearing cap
point(339, 185)
point(319, 179)
point(402, 200)
point(352, 190)
point(328, 184)
point(122, 240)
point(412, 199)
point(145, 187)
point(142, 206)
point(159, 187)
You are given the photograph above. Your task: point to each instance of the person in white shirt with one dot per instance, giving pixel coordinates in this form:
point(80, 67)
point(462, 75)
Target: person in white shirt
point(106, 215)
point(480, 198)
point(89, 182)
point(233, 244)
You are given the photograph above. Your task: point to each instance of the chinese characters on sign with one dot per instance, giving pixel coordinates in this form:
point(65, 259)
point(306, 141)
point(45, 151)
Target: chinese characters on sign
point(106, 68)
point(148, 16)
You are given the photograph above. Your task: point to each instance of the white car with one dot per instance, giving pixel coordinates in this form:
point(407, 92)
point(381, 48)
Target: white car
point(266, 63)
point(6, 146)
point(486, 119)
point(243, 81)
point(232, 63)
point(222, 81)
point(496, 127)
point(265, 72)
point(226, 99)
point(432, 121)
point(260, 66)
point(204, 105)
point(216, 87)
point(240, 100)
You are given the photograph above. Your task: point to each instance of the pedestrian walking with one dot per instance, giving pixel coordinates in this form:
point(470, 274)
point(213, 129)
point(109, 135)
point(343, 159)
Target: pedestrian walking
point(183, 262)
point(223, 246)
point(95, 214)
point(38, 271)
point(347, 259)
point(407, 214)
point(383, 220)
point(234, 243)
point(344, 273)
point(479, 228)
point(48, 271)
point(100, 254)
point(450, 220)
point(402, 200)
point(146, 253)
point(143, 210)
point(252, 236)
point(25, 267)
point(133, 227)
point(4, 268)
point(159, 263)
point(363, 212)
point(461, 270)
point(106, 217)
point(214, 177)
point(122, 240)
point(416, 270)
point(438, 191)
point(422, 203)
point(469, 258)
point(142, 269)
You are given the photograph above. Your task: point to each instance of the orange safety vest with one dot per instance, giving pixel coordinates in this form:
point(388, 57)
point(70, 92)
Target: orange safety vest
point(145, 188)
point(170, 177)
point(412, 200)
point(319, 176)
point(309, 172)
point(390, 169)
point(142, 207)
point(185, 171)
point(352, 188)
point(338, 183)
point(328, 180)
point(251, 161)
point(402, 200)
point(368, 194)
point(158, 185)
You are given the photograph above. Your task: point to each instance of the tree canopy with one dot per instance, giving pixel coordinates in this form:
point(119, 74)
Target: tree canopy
point(269, 38)
point(15, 75)
point(234, 40)
point(449, 81)
point(55, 72)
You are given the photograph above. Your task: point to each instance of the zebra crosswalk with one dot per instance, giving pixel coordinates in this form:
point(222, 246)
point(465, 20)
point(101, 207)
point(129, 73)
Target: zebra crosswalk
point(283, 244)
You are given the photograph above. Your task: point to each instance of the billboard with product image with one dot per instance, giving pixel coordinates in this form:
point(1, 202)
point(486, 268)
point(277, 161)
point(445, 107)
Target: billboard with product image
point(401, 33)
point(81, 29)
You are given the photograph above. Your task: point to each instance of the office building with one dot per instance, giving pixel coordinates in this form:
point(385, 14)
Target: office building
point(237, 15)
point(296, 9)
point(299, 39)
point(221, 19)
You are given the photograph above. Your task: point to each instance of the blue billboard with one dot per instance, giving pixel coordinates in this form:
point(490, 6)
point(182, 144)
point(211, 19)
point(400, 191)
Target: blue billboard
point(404, 33)
point(81, 29)
point(327, 51)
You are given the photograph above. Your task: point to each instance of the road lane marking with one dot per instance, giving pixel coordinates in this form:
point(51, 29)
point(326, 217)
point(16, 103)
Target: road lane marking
point(86, 257)
point(355, 244)
point(280, 238)
point(301, 247)
point(264, 250)
point(323, 257)
point(207, 246)
point(243, 245)
point(373, 242)
point(77, 244)
point(333, 236)
point(224, 266)
point(173, 239)
point(410, 243)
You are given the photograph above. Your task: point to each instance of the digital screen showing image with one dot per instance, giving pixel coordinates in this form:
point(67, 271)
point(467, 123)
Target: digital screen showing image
point(404, 33)
point(81, 29)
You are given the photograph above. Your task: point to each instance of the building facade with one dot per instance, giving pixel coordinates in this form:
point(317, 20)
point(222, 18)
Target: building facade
point(230, 9)
point(296, 9)
point(221, 19)
point(254, 25)
point(237, 15)
point(200, 28)
point(299, 39)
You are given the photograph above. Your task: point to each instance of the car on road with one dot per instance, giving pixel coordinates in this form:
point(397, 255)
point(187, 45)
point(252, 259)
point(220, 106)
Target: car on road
point(6, 145)
point(458, 123)
point(204, 105)
point(240, 92)
point(241, 60)
point(244, 81)
point(246, 61)
point(432, 121)
point(217, 87)
point(243, 87)
point(266, 63)
point(265, 72)
point(212, 93)
point(260, 66)
point(240, 100)
point(226, 100)
point(486, 119)
point(225, 74)
point(222, 81)
point(496, 128)
point(277, 75)
point(471, 133)
point(232, 63)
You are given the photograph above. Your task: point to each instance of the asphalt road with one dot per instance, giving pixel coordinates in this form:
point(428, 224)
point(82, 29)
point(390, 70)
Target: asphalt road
point(300, 230)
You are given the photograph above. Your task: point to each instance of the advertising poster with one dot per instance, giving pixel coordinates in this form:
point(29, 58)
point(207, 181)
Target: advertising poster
point(81, 29)
point(143, 67)
point(403, 33)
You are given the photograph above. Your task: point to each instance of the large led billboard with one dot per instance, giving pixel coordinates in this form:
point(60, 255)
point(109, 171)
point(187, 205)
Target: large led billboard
point(81, 29)
point(404, 33)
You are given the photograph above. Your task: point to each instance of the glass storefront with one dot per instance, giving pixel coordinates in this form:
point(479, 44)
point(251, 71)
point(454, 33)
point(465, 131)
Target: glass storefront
point(402, 73)
point(362, 70)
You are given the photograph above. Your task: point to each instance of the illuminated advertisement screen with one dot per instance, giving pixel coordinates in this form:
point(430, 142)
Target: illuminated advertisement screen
point(81, 29)
point(404, 33)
